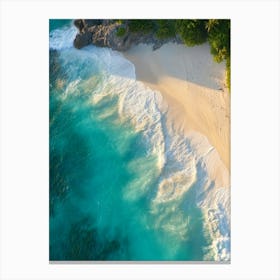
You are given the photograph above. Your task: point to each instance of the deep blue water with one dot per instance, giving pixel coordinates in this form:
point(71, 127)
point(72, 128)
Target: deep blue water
point(59, 23)
point(104, 173)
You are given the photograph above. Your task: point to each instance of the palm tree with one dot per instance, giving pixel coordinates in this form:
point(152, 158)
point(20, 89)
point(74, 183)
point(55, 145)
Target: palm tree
point(211, 24)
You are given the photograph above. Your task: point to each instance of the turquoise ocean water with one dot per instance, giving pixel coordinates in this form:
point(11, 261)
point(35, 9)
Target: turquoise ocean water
point(121, 187)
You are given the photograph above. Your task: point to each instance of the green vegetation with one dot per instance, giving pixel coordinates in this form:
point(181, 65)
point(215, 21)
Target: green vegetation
point(219, 41)
point(121, 31)
point(228, 72)
point(165, 29)
point(141, 25)
point(215, 31)
point(192, 32)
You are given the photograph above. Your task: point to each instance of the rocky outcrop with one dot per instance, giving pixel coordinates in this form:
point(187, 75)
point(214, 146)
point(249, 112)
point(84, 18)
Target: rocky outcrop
point(101, 33)
point(82, 40)
point(105, 33)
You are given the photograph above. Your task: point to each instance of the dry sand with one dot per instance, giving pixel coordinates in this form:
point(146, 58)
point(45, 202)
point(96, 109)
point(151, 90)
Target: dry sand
point(193, 86)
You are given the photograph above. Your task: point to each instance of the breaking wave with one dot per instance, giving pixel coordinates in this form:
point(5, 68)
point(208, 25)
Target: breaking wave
point(184, 164)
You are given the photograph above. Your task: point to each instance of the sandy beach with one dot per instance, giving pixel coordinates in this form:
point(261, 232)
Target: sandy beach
point(193, 86)
point(144, 132)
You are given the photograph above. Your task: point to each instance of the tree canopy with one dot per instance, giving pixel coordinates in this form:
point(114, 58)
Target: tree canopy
point(191, 31)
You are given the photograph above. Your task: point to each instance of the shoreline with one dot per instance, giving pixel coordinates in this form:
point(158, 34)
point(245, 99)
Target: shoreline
point(173, 96)
point(193, 86)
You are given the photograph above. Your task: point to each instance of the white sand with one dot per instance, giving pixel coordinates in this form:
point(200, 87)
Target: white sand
point(193, 86)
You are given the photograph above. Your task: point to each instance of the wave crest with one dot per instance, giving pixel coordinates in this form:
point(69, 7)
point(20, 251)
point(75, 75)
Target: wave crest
point(184, 161)
point(62, 38)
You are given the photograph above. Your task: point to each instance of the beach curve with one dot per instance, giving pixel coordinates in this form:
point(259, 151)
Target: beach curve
point(193, 86)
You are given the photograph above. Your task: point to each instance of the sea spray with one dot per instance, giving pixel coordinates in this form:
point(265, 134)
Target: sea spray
point(123, 184)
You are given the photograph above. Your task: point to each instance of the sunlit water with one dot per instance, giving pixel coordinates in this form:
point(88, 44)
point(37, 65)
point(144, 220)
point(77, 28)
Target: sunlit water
point(122, 186)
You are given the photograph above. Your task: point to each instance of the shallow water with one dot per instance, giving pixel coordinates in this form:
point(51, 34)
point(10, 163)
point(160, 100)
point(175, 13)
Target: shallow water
point(122, 187)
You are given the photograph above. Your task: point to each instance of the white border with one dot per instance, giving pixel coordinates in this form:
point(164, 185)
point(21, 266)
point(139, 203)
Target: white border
point(24, 138)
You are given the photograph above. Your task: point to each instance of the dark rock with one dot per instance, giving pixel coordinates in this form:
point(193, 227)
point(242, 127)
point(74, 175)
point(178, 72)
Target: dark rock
point(79, 23)
point(107, 21)
point(157, 45)
point(103, 33)
point(82, 40)
point(92, 22)
point(116, 42)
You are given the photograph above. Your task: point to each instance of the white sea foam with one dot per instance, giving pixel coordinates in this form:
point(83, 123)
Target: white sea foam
point(119, 66)
point(213, 195)
point(62, 38)
point(184, 161)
